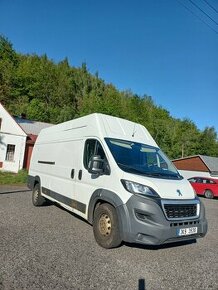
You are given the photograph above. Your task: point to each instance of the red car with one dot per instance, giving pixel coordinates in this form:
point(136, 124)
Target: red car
point(205, 186)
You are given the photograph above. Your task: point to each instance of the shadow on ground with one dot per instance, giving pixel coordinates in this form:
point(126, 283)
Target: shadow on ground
point(7, 189)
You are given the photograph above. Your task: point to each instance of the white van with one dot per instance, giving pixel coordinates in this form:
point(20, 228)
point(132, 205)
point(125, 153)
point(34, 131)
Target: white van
point(111, 172)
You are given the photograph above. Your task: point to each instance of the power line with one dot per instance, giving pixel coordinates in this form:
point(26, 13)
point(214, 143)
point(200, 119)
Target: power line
point(210, 6)
point(214, 30)
point(203, 11)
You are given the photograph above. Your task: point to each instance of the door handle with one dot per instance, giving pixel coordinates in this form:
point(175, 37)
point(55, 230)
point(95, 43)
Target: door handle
point(72, 173)
point(80, 174)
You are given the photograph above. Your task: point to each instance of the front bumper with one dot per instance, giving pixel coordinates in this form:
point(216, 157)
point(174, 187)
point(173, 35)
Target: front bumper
point(144, 221)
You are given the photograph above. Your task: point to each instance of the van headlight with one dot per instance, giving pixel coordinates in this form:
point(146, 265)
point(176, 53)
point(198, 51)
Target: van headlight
point(138, 188)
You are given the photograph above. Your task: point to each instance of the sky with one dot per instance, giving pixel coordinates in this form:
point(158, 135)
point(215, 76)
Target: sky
point(158, 48)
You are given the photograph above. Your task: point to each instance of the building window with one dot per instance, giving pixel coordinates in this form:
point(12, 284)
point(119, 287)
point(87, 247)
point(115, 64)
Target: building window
point(10, 152)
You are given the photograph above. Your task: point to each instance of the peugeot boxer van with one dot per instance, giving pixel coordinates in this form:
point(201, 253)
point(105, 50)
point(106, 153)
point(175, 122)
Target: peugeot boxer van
point(111, 172)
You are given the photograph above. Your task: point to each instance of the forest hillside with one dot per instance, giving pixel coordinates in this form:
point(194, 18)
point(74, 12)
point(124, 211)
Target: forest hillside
point(57, 92)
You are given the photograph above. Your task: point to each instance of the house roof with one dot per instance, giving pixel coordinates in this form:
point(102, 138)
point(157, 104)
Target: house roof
point(31, 127)
point(210, 162)
point(9, 124)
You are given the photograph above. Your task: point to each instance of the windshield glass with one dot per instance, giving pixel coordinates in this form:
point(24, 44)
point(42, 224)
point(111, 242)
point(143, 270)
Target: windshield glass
point(142, 159)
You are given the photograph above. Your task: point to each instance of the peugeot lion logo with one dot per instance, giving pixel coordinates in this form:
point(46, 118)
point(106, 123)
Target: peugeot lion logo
point(179, 192)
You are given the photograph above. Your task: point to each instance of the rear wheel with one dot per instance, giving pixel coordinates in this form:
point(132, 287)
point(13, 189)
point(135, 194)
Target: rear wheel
point(106, 227)
point(37, 199)
point(208, 194)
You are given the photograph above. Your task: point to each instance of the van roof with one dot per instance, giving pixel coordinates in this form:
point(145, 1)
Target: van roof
point(97, 125)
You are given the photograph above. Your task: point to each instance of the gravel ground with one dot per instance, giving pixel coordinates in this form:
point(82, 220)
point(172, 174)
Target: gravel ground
point(50, 248)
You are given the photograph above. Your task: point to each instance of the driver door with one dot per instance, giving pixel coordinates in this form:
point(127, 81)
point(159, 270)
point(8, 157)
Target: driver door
point(87, 183)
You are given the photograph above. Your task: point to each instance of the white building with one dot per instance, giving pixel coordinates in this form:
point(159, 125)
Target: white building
point(17, 137)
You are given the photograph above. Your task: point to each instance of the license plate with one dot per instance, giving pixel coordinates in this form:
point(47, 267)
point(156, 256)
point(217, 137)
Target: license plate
point(187, 231)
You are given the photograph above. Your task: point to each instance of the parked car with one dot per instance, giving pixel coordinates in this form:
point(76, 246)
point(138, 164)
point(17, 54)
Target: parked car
point(205, 186)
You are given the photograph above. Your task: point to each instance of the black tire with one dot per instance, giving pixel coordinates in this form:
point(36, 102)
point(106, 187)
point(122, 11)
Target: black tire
point(106, 226)
point(37, 199)
point(208, 194)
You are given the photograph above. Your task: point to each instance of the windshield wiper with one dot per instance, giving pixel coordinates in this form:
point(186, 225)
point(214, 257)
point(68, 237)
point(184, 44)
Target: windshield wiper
point(150, 174)
point(131, 169)
point(174, 176)
point(134, 170)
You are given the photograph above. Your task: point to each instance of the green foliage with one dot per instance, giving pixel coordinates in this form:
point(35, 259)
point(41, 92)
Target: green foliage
point(8, 65)
point(13, 178)
point(57, 92)
point(208, 142)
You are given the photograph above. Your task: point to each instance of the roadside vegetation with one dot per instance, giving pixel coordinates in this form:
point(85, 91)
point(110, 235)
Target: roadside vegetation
point(13, 178)
point(53, 92)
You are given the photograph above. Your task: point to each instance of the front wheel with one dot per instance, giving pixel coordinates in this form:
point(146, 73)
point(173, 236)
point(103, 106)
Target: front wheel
point(37, 199)
point(208, 194)
point(106, 227)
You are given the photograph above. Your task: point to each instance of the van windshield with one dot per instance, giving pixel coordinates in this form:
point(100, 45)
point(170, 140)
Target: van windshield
point(142, 159)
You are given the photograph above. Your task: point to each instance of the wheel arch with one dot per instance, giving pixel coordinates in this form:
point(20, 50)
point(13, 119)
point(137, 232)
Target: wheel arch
point(105, 196)
point(32, 181)
point(210, 190)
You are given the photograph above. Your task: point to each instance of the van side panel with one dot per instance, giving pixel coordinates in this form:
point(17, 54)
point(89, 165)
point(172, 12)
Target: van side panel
point(55, 163)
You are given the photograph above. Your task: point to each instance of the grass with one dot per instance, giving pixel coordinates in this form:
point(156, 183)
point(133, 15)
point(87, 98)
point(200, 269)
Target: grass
point(13, 178)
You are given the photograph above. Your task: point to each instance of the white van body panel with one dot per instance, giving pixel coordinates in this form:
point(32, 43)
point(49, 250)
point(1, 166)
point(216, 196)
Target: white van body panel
point(54, 176)
point(169, 189)
point(96, 125)
point(64, 145)
point(60, 167)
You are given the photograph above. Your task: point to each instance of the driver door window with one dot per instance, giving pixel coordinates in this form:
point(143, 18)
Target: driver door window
point(92, 147)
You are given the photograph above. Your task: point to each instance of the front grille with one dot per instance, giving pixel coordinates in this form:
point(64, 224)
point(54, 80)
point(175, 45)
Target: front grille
point(180, 211)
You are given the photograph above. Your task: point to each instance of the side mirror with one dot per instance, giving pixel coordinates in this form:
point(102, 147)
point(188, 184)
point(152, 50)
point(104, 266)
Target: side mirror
point(96, 165)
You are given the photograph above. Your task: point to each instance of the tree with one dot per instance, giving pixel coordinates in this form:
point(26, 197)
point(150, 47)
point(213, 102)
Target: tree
point(208, 144)
point(57, 92)
point(8, 63)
